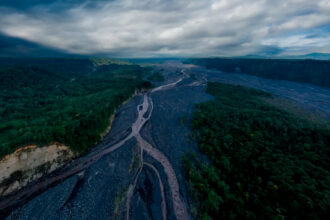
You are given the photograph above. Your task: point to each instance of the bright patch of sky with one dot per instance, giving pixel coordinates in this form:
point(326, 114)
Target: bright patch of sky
point(145, 28)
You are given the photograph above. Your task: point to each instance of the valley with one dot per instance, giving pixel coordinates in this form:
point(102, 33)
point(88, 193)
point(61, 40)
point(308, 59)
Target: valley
point(136, 171)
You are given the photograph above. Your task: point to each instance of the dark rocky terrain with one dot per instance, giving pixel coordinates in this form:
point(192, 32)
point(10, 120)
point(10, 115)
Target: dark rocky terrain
point(98, 189)
point(311, 97)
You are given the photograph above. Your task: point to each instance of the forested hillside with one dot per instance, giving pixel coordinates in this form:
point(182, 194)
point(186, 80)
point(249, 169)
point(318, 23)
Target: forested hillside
point(307, 71)
point(64, 100)
point(263, 162)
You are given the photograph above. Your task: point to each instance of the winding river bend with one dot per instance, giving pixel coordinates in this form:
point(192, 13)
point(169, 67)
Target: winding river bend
point(178, 204)
point(149, 128)
point(79, 166)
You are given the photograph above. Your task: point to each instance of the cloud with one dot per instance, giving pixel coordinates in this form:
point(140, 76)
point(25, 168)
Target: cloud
point(15, 47)
point(127, 28)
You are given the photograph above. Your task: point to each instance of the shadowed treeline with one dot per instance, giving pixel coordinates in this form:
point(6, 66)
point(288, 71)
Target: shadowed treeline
point(307, 71)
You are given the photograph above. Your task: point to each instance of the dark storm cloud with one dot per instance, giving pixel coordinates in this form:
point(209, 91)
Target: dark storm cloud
point(14, 47)
point(129, 28)
point(54, 4)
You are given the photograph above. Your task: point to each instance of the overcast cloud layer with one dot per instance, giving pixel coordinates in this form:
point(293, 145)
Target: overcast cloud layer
point(145, 28)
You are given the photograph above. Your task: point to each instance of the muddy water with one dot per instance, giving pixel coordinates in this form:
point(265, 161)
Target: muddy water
point(82, 164)
point(106, 176)
point(179, 206)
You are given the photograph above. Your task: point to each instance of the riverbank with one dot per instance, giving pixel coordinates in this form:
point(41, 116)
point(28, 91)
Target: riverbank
point(30, 163)
point(95, 185)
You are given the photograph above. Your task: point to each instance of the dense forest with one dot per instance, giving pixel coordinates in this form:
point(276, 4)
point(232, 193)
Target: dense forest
point(261, 162)
point(156, 77)
point(65, 100)
point(307, 71)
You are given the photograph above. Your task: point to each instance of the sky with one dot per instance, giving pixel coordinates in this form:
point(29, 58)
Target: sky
point(164, 28)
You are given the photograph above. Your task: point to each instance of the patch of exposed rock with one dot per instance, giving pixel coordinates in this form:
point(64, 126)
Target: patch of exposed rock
point(29, 163)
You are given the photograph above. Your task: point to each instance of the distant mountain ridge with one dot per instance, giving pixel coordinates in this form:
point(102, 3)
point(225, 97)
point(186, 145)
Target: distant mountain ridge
point(310, 71)
point(17, 47)
point(315, 56)
point(312, 56)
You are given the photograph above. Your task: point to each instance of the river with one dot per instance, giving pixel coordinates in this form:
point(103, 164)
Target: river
point(136, 172)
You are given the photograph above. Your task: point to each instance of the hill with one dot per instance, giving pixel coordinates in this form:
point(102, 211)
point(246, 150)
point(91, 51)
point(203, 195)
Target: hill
point(263, 162)
point(64, 100)
point(306, 71)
